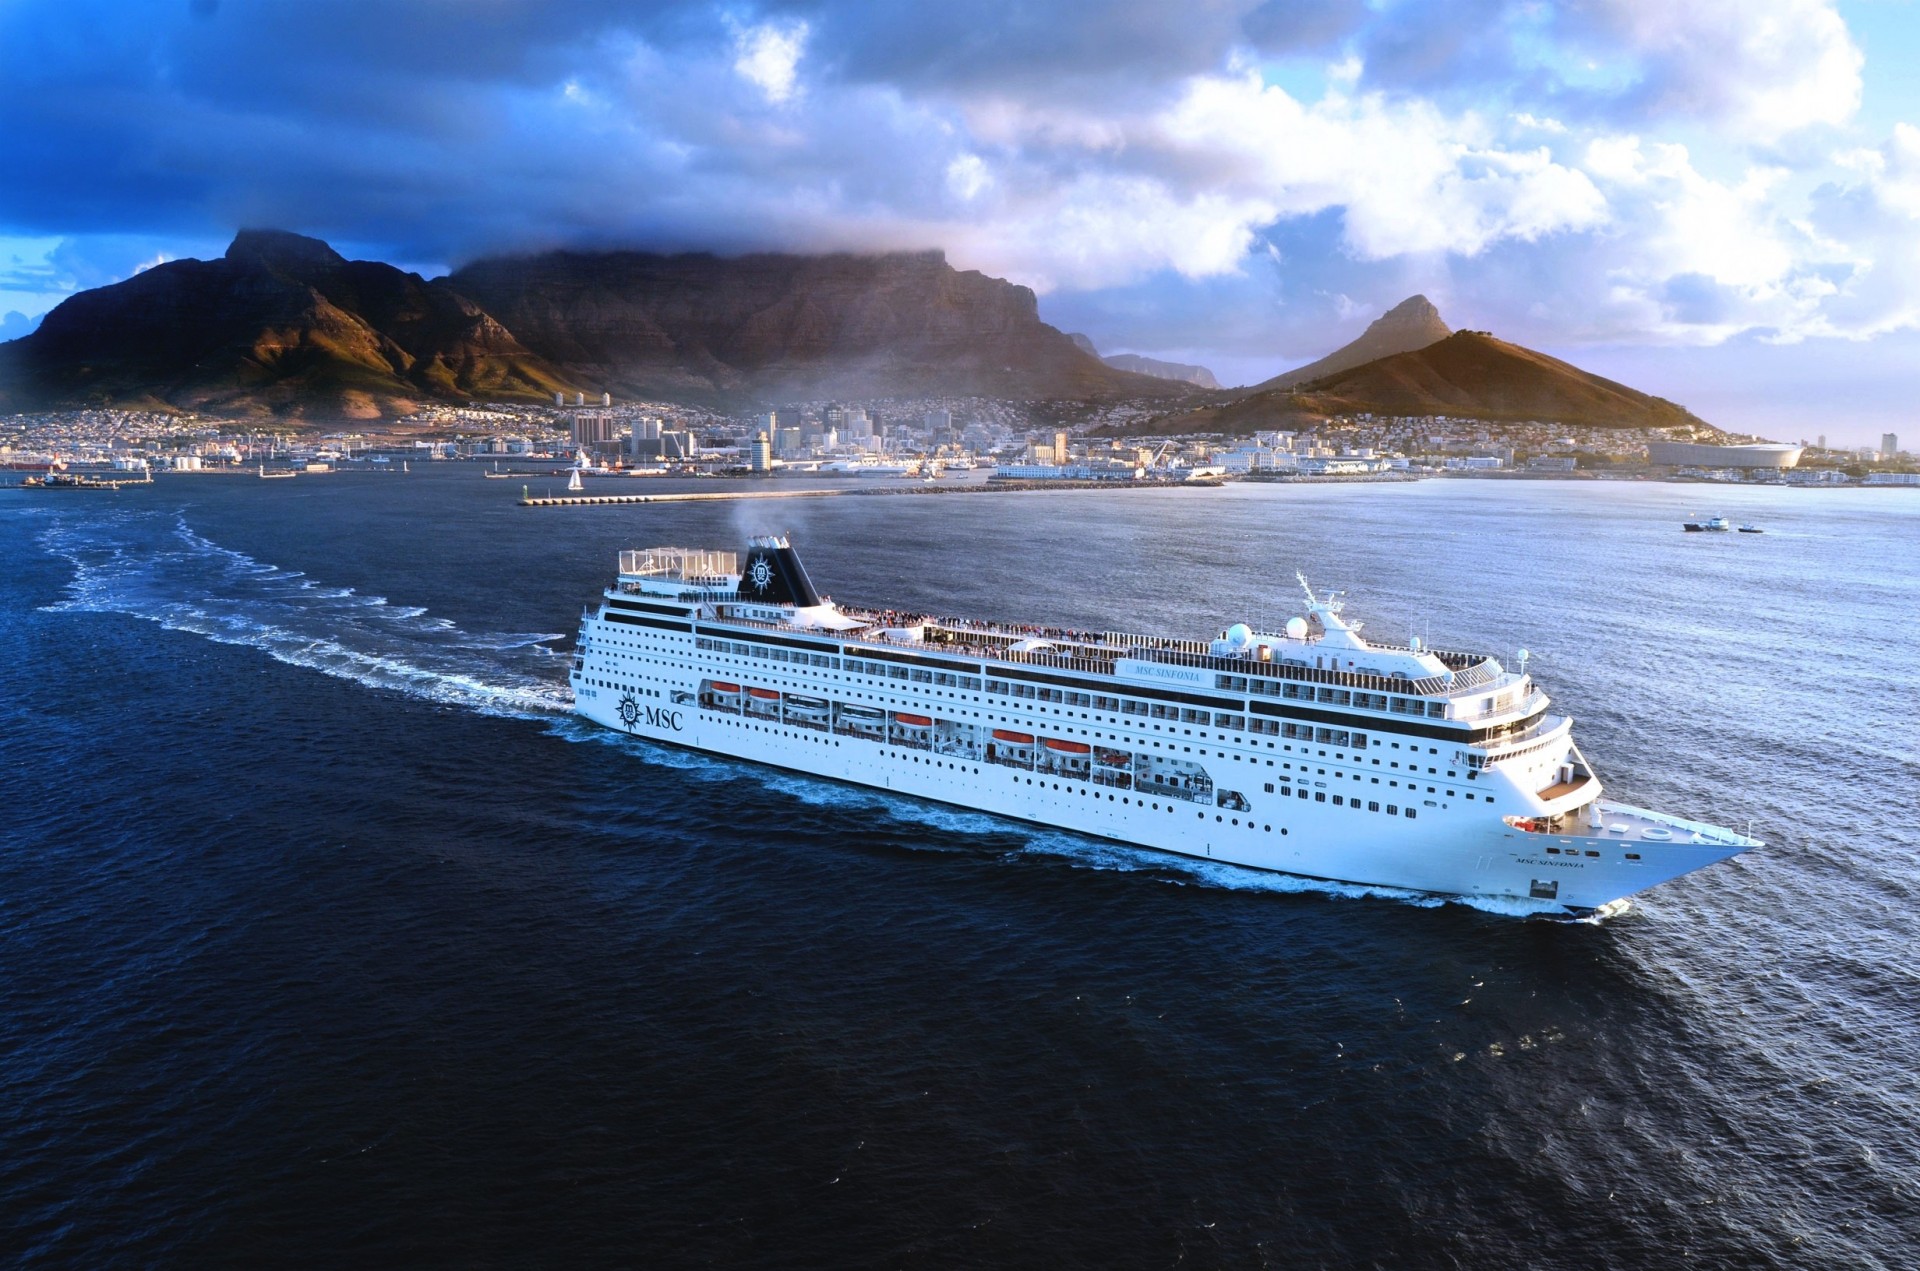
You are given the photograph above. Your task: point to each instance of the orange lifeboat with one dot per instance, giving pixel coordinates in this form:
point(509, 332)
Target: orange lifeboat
point(1068, 747)
point(912, 721)
point(721, 686)
point(1017, 739)
point(764, 694)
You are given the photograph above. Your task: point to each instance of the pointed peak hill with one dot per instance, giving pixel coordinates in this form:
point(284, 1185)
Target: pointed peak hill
point(1409, 326)
point(1468, 375)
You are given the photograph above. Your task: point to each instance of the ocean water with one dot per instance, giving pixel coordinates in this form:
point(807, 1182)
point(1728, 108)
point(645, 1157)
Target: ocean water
point(327, 938)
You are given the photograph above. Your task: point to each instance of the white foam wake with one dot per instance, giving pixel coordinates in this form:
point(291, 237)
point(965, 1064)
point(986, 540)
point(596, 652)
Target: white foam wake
point(157, 568)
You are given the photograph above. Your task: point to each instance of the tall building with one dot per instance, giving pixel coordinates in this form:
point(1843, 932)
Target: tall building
point(591, 427)
point(1889, 445)
point(1060, 448)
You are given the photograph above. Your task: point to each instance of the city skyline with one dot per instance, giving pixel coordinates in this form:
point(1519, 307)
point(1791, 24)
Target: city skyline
point(1717, 205)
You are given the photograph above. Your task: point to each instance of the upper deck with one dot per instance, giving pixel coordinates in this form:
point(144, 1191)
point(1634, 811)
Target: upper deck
point(1461, 686)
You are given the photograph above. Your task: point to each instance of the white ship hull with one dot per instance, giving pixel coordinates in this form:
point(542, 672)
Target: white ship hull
point(1406, 813)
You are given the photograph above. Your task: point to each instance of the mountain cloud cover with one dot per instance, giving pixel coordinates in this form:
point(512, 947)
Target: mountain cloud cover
point(1604, 171)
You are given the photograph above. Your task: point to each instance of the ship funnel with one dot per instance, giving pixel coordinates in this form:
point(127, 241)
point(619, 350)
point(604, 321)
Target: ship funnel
point(772, 573)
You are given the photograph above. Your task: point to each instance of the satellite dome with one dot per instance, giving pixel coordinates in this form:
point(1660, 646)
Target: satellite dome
point(1297, 628)
point(1239, 635)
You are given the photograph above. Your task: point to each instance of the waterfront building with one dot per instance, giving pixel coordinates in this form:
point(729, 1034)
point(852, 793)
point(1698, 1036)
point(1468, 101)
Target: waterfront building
point(1767, 454)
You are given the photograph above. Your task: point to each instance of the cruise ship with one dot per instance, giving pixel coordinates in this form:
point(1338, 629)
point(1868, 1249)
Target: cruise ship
point(1310, 751)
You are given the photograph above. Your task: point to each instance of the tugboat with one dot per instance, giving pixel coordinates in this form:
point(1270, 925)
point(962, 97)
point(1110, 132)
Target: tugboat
point(1751, 529)
point(1716, 523)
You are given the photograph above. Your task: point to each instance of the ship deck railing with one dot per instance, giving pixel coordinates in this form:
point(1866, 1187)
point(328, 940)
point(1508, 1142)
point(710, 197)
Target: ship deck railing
point(1526, 742)
point(1097, 653)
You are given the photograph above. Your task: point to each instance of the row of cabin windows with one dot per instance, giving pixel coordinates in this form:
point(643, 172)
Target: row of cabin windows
point(798, 657)
point(1392, 809)
point(1068, 697)
point(913, 674)
point(1321, 693)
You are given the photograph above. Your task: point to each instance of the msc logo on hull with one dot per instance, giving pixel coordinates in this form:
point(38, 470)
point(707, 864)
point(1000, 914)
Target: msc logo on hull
point(633, 714)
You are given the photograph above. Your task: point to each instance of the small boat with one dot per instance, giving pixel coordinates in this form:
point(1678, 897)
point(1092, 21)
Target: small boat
point(1751, 529)
point(573, 482)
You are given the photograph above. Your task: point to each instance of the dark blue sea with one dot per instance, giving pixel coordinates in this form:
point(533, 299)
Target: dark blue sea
point(327, 938)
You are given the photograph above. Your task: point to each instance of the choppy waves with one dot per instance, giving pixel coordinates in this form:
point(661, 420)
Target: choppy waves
point(155, 567)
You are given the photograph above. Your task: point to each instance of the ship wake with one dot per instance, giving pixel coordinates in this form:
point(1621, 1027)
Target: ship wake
point(156, 568)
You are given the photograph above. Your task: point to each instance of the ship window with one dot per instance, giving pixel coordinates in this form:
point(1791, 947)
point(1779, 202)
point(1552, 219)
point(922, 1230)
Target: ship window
point(1409, 814)
point(1633, 856)
point(1319, 796)
point(1373, 807)
point(1269, 787)
point(1392, 810)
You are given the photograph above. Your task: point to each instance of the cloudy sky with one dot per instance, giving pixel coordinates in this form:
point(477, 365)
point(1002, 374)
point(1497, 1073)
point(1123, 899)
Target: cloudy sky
point(1715, 200)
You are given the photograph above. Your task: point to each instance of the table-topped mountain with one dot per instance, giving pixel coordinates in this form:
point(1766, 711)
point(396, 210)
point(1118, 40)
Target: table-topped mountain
point(1409, 326)
point(784, 326)
point(280, 324)
point(284, 325)
point(1469, 375)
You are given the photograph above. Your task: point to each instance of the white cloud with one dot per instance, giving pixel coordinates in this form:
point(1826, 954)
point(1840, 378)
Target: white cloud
point(1762, 68)
point(768, 57)
point(967, 177)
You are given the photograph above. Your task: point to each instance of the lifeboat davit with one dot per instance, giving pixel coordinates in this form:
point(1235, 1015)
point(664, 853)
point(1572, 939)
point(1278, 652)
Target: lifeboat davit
point(912, 721)
point(1013, 738)
point(1068, 747)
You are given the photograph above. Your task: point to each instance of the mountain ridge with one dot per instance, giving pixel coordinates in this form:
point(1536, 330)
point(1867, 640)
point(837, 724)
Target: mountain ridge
point(281, 324)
